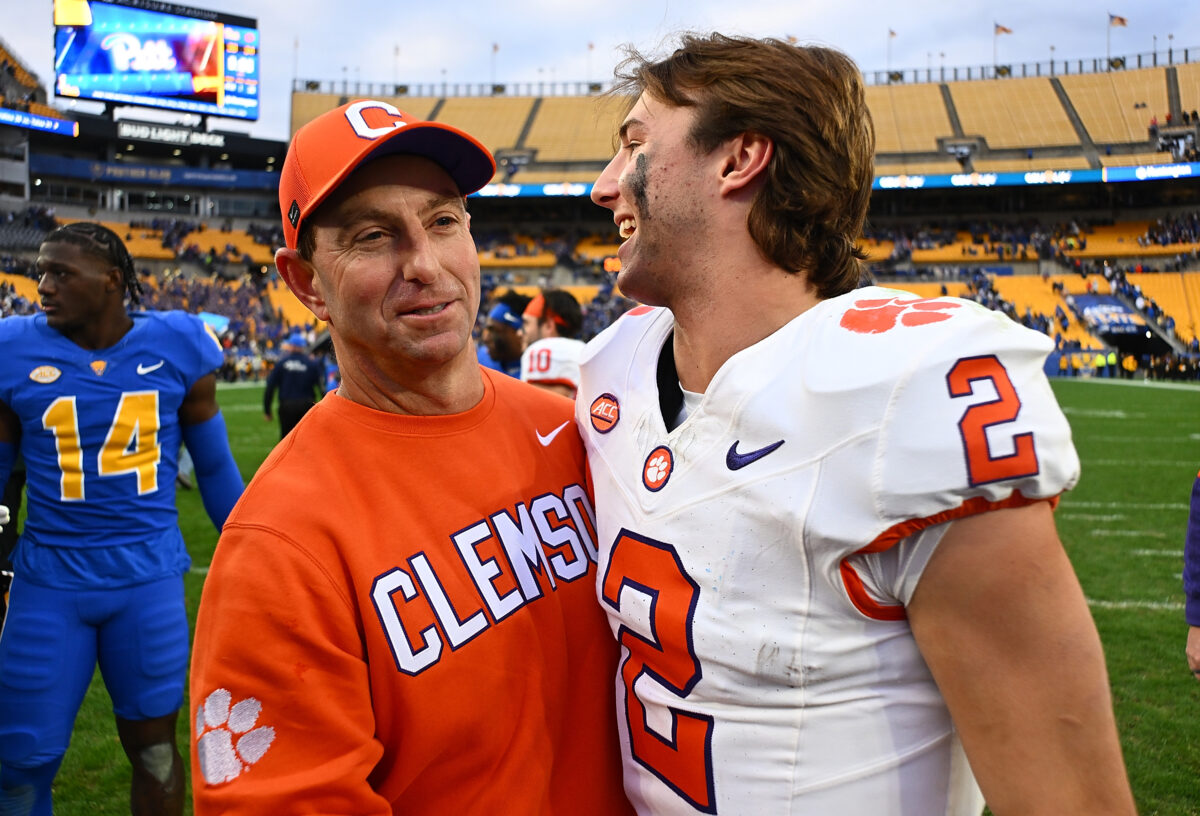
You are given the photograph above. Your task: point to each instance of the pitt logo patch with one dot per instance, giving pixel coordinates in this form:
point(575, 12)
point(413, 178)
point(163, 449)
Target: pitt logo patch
point(657, 469)
point(605, 412)
point(45, 374)
point(98, 366)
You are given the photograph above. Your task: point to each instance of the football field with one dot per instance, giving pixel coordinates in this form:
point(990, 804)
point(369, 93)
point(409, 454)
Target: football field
point(1123, 527)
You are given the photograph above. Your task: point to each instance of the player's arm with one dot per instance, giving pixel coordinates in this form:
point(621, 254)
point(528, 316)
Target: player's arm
point(278, 641)
point(204, 435)
point(1191, 580)
point(1005, 629)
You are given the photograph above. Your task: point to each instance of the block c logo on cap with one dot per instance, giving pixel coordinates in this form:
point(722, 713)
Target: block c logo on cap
point(354, 115)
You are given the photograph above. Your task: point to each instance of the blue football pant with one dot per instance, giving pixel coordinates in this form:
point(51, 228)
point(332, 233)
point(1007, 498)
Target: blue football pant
point(49, 648)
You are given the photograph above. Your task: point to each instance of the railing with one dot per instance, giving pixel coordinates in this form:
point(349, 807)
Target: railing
point(931, 73)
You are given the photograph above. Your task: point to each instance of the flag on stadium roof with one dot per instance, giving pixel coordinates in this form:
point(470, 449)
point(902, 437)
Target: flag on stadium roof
point(1117, 20)
point(1002, 29)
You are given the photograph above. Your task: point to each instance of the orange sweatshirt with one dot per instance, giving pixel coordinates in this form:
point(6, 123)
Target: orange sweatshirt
point(401, 618)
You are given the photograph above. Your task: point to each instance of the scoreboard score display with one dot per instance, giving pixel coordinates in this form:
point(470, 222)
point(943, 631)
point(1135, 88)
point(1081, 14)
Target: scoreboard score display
point(159, 55)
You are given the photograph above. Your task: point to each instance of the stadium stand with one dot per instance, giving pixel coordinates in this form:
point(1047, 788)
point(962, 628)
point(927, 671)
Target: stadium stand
point(1029, 267)
point(1179, 296)
point(908, 118)
point(1116, 106)
point(573, 129)
point(496, 121)
point(1020, 113)
point(1188, 79)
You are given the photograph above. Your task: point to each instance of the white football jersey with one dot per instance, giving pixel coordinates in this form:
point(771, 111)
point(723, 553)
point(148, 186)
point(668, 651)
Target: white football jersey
point(755, 560)
point(552, 361)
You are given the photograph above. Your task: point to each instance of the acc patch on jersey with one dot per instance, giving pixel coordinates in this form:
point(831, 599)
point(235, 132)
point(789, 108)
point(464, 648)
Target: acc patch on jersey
point(605, 412)
point(45, 374)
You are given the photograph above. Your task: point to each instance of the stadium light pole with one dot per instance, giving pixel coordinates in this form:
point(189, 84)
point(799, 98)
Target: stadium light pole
point(1052, 60)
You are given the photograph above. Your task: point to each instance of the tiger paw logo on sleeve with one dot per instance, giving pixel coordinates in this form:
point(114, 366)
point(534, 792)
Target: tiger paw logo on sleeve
point(227, 741)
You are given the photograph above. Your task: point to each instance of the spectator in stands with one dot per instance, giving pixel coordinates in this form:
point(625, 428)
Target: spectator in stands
point(502, 332)
point(300, 380)
point(552, 322)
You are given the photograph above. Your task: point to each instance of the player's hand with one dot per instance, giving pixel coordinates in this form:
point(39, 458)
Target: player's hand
point(1193, 650)
point(266, 417)
point(4, 520)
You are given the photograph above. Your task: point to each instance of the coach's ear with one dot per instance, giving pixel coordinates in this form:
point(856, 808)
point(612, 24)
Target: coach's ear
point(301, 277)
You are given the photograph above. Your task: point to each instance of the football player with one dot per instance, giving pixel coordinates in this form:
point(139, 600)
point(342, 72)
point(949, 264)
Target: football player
point(97, 400)
point(824, 512)
point(552, 321)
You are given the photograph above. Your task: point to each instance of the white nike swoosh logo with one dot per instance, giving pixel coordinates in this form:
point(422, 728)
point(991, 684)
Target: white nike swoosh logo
point(145, 369)
point(548, 438)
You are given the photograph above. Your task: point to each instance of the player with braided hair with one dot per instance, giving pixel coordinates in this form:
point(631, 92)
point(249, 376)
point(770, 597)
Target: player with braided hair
point(97, 399)
point(99, 240)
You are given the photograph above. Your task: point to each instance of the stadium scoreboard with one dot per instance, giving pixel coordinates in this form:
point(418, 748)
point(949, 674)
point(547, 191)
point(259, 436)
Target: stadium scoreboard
point(158, 55)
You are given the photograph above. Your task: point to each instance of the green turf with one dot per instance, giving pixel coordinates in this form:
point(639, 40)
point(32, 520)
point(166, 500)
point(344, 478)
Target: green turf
point(1123, 527)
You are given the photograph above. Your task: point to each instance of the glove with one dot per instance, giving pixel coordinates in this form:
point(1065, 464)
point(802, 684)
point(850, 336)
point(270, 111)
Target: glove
point(3, 517)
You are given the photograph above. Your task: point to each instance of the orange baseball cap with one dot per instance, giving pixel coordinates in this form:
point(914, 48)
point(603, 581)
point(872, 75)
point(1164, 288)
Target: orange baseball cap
point(331, 147)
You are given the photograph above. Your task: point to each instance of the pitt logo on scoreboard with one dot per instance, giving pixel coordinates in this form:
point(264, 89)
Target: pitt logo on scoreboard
point(447, 596)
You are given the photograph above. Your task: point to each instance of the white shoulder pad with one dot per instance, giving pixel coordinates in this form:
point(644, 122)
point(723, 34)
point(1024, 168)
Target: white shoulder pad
point(972, 416)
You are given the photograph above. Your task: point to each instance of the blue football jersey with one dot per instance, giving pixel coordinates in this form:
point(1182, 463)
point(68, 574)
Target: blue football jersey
point(100, 430)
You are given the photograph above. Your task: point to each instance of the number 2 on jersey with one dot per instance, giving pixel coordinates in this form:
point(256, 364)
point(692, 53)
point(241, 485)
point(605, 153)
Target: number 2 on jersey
point(683, 758)
point(131, 445)
point(982, 466)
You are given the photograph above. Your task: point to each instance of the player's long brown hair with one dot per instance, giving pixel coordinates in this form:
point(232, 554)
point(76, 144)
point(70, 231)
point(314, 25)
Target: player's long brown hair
point(810, 102)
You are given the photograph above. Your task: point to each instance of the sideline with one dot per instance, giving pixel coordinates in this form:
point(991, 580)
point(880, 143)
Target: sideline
point(1169, 385)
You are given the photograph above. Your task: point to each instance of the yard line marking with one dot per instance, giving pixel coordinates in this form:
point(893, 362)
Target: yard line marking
point(1101, 413)
point(1129, 505)
point(199, 570)
point(239, 385)
point(1164, 605)
point(1172, 553)
point(1130, 533)
point(1089, 516)
point(1127, 462)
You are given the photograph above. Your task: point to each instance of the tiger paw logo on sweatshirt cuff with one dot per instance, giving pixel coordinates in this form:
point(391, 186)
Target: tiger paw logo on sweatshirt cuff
point(227, 739)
